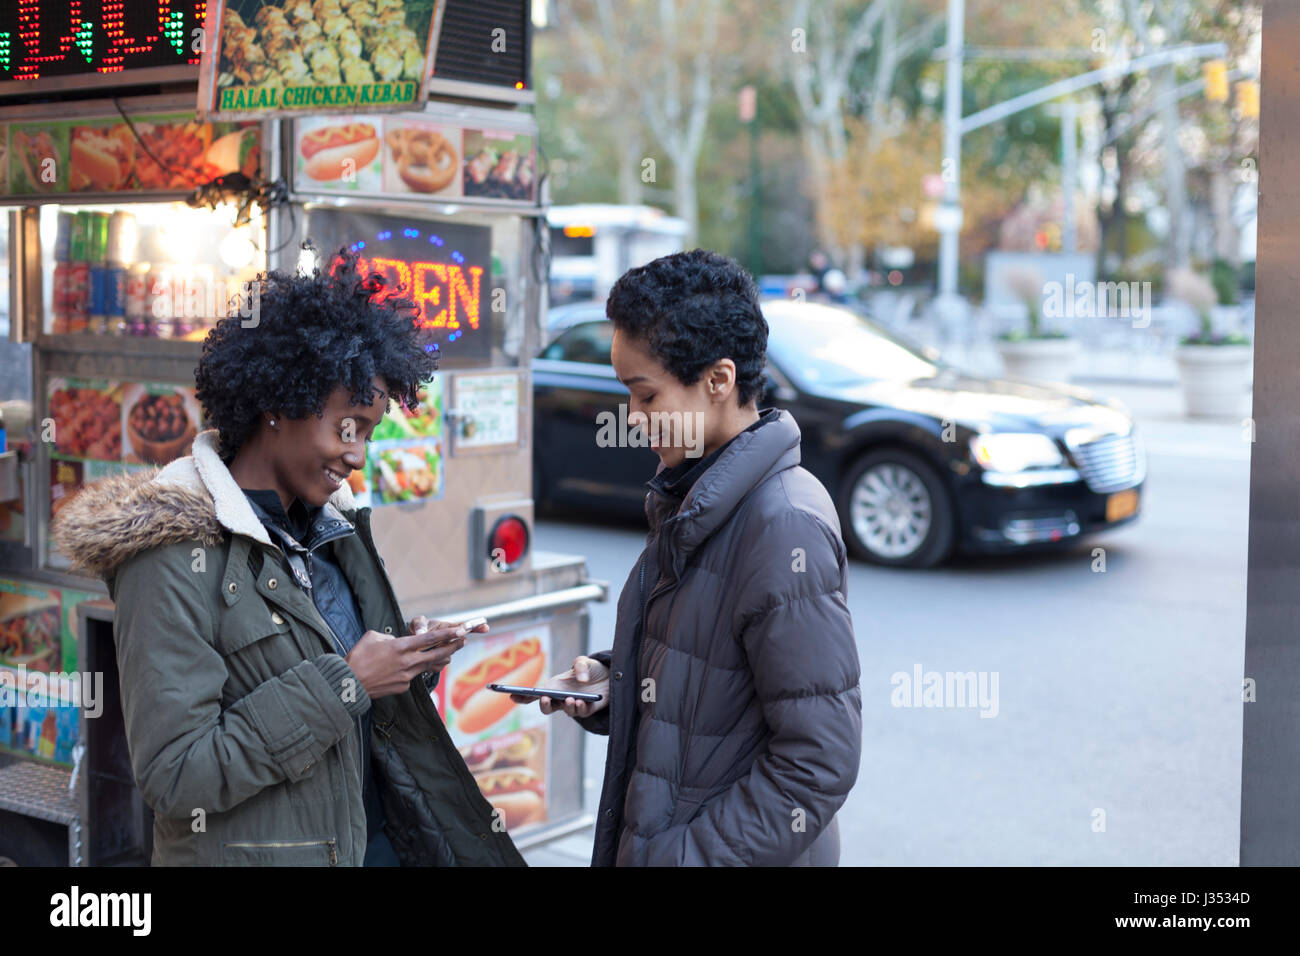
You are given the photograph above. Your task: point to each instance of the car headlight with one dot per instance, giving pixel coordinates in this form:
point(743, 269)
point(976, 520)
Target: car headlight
point(1010, 451)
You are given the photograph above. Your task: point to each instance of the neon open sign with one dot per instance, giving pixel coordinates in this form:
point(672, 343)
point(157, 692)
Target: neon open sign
point(445, 267)
point(41, 38)
point(446, 293)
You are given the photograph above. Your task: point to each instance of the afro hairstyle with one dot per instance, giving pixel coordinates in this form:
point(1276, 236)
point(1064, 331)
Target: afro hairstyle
point(309, 335)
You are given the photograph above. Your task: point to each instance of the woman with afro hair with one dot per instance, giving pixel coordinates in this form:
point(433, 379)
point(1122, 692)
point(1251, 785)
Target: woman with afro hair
point(277, 705)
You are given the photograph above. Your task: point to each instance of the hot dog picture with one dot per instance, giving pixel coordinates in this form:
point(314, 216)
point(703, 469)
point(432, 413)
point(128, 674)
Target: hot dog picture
point(37, 154)
point(102, 157)
point(333, 152)
point(478, 708)
point(517, 792)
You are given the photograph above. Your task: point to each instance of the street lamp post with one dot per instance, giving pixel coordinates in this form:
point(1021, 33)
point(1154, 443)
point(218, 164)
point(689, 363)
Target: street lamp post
point(948, 216)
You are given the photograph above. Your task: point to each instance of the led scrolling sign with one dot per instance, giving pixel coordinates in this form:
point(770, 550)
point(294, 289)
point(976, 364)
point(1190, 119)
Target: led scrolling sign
point(43, 38)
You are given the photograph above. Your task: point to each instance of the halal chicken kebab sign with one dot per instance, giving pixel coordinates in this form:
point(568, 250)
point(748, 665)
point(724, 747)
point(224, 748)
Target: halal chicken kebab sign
point(265, 58)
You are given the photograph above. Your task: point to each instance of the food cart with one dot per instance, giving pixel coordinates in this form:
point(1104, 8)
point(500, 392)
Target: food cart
point(136, 221)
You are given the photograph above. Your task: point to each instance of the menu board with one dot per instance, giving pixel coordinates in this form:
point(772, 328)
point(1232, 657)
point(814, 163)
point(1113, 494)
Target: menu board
point(94, 39)
point(280, 57)
point(503, 743)
point(414, 155)
point(99, 428)
point(152, 153)
point(404, 458)
point(487, 409)
point(40, 697)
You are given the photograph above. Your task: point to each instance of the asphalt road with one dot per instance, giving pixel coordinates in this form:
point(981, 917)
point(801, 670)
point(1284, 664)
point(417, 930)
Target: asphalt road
point(1117, 734)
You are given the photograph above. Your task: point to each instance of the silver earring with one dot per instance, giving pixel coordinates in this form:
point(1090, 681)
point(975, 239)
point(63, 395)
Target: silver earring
point(272, 422)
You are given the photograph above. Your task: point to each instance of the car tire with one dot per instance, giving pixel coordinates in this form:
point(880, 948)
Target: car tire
point(877, 492)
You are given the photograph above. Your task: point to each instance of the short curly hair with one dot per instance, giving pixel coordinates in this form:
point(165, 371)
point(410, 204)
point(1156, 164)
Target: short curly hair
point(311, 334)
point(692, 309)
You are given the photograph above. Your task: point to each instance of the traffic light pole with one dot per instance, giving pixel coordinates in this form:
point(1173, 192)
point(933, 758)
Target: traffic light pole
point(948, 219)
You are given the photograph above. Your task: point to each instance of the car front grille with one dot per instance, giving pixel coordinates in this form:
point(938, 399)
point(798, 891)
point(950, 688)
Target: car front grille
point(1111, 462)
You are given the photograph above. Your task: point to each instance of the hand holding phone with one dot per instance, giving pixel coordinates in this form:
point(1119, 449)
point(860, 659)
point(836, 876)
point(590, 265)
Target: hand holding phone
point(587, 676)
point(536, 693)
point(437, 633)
point(433, 642)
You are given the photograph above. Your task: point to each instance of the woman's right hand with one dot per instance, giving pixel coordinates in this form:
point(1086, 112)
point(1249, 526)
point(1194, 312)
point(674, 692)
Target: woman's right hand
point(588, 675)
point(386, 665)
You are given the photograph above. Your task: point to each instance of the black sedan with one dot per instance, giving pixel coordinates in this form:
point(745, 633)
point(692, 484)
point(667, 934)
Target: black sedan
point(920, 458)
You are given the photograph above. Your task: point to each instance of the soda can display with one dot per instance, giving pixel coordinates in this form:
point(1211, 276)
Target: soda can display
point(116, 314)
point(63, 237)
point(122, 238)
point(98, 312)
point(161, 298)
point(78, 290)
point(98, 248)
point(60, 295)
point(137, 299)
point(79, 239)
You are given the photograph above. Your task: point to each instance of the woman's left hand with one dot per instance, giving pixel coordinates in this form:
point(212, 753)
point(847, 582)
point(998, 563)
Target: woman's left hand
point(445, 639)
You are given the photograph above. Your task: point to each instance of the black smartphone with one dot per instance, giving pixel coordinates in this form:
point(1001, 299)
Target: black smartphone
point(555, 695)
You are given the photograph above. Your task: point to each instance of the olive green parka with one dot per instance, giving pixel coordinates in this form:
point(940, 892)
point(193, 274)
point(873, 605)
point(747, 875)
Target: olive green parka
point(240, 716)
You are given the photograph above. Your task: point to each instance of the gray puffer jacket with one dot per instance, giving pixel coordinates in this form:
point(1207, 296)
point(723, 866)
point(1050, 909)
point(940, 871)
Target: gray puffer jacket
point(735, 713)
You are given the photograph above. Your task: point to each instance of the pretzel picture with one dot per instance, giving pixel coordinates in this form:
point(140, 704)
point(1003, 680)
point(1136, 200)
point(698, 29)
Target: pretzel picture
point(426, 160)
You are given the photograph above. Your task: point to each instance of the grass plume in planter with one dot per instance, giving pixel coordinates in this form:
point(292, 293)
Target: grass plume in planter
point(1026, 283)
point(1199, 293)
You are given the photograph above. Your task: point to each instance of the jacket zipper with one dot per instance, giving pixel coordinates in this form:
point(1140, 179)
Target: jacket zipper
point(329, 843)
point(338, 647)
point(467, 780)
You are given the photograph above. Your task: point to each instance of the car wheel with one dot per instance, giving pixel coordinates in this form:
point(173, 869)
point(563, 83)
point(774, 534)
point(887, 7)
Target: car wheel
point(895, 510)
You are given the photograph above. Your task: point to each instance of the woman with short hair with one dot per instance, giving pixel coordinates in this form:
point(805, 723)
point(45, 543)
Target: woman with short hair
point(731, 695)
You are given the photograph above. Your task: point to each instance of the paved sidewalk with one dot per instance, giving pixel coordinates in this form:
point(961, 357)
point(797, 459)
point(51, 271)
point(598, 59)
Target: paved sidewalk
point(571, 850)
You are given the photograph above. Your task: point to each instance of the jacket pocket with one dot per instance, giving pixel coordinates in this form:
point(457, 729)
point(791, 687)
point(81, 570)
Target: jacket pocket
point(280, 853)
point(240, 630)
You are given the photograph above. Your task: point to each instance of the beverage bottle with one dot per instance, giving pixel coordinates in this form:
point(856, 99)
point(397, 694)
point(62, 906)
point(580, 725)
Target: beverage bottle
point(79, 272)
point(98, 256)
point(162, 306)
point(62, 291)
point(120, 252)
point(137, 299)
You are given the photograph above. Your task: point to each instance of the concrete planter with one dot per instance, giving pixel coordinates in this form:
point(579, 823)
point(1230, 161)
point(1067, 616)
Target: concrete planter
point(1214, 378)
point(1039, 360)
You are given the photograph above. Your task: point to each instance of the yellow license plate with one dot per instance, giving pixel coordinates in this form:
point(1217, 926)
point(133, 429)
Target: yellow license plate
point(1121, 504)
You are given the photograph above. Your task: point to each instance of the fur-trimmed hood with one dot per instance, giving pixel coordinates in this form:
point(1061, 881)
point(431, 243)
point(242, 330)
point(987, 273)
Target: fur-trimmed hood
point(194, 498)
